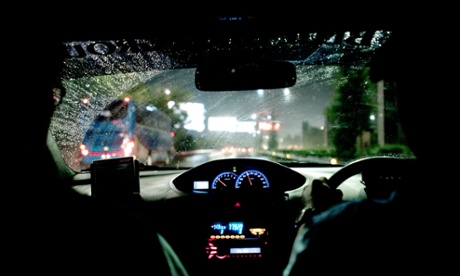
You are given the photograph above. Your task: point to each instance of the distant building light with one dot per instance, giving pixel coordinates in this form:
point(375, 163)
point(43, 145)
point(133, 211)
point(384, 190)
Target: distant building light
point(268, 126)
point(222, 124)
point(195, 115)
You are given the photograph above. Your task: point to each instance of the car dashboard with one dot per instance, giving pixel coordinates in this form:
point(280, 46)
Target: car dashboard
point(234, 215)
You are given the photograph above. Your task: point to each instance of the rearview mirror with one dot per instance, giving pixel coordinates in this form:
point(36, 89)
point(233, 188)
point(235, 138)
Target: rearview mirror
point(250, 75)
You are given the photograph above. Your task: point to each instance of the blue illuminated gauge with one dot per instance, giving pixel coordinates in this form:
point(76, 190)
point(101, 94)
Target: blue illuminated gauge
point(252, 179)
point(224, 181)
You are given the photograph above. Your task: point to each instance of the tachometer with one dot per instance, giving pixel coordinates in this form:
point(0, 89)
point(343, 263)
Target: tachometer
point(224, 181)
point(252, 179)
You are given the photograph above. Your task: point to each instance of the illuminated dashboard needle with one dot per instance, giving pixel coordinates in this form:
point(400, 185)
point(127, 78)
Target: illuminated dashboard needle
point(224, 180)
point(249, 179)
point(221, 182)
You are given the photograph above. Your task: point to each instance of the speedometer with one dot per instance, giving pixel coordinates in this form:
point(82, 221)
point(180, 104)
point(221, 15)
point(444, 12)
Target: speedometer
point(224, 181)
point(252, 179)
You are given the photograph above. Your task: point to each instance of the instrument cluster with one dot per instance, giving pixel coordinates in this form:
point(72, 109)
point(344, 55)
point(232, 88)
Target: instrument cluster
point(238, 174)
point(227, 180)
point(239, 202)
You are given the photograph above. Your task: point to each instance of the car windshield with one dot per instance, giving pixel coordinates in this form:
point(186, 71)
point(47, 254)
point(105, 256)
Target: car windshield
point(138, 97)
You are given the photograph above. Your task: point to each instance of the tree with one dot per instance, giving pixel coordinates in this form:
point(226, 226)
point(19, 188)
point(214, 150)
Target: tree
point(348, 115)
point(273, 140)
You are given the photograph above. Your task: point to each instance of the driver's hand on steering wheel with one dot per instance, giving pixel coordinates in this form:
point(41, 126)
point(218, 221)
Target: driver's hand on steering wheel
point(318, 197)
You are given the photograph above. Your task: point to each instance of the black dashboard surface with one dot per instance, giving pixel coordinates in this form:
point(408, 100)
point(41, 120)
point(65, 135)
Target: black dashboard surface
point(236, 215)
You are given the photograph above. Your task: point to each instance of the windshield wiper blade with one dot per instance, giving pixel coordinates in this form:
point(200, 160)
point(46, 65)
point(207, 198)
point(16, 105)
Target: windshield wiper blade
point(308, 164)
point(143, 167)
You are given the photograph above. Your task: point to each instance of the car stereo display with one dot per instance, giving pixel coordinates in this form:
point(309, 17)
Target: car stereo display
point(236, 240)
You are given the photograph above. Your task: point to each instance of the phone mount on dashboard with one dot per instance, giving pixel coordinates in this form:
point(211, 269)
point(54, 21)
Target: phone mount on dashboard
point(115, 179)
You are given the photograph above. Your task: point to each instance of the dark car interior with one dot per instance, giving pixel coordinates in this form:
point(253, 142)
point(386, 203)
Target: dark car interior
point(216, 226)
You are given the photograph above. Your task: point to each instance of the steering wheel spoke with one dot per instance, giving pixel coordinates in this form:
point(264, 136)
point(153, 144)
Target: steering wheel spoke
point(380, 175)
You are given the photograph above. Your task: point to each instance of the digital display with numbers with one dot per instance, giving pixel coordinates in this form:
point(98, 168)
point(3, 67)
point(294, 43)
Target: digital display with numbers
point(229, 228)
point(236, 240)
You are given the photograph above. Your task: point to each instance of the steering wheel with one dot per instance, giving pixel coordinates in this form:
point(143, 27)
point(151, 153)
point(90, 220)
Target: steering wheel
point(373, 169)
